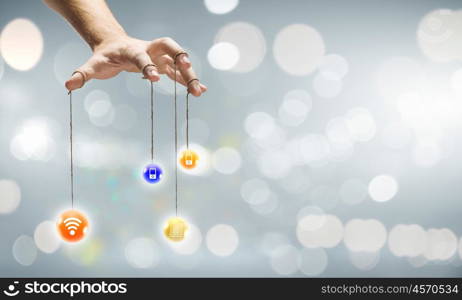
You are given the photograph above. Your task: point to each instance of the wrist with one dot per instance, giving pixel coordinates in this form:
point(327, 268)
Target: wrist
point(108, 38)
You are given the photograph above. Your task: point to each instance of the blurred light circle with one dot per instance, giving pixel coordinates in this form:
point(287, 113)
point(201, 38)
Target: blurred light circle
point(361, 124)
point(337, 130)
point(125, 117)
point(2, 67)
point(88, 253)
point(267, 205)
point(46, 238)
point(199, 130)
point(398, 75)
point(427, 153)
point(326, 87)
point(21, 44)
point(456, 81)
point(438, 35)
point(191, 242)
point(142, 253)
point(292, 148)
point(255, 191)
point(417, 112)
point(259, 125)
point(313, 261)
point(315, 149)
point(293, 112)
point(99, 108)
point(249, 41)
point(272, 241)
point(396, 135)
point(441, 245)
point(295, 107)
point(275, 140)
point(407, 240)
point(383, 188)
point(340, 151)
point(297, 182)
point(220, 7)
point(10, 196)
point(226, 160)
point(316, 230)
point(185, 262)
point(298, 49)
point(333, 66)
point(300, 95)
point(24, 250)
point(34, 140)
point(353, 191)
point(418, 261)
point(68, 57)
point(285, 260)
point(460, 248)
point(95, 96)
point(365, 235)
point(325, 197)
point(313, 217)
point(222, 240)
point(141, 88)
point(274, 164)
point(223, 56)
point(364, 261)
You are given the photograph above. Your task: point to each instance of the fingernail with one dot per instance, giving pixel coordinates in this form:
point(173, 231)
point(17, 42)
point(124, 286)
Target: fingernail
point(197, 87)
point(185, 59)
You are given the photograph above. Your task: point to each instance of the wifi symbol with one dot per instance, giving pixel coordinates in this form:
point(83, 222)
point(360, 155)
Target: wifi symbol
point(72, 224)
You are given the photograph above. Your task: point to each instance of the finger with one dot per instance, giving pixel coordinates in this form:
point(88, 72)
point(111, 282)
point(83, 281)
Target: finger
point(170, 47)
point(181, 60)
point(194, 86)
point(166, 66)
point(163, 63)
point(171, 74)
point(75, 82)
point(203, 87)
point(81, 76)
point(146, 66)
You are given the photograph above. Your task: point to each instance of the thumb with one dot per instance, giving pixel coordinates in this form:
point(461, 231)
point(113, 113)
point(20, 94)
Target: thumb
point(76, 81)
point(80, 76)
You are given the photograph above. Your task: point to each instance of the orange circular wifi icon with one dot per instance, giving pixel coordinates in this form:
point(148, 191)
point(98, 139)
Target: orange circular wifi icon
point(72, 226)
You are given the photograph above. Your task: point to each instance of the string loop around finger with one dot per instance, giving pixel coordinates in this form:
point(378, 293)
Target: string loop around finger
point(84, 77)
point(145, 76)
point(180, 52)
point(189, 82)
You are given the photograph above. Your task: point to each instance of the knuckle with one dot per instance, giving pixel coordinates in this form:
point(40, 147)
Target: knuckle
point(165, 40)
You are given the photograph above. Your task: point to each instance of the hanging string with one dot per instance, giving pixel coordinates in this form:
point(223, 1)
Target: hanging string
point(176, 142)
point(71, 146)
point(152, 122)
point(187, 120)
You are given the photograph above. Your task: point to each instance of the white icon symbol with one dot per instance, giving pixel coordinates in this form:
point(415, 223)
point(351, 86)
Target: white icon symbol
point(176, 231)
point(11, 292)
point(72, 224)
point(152, 173)
point(189, 160)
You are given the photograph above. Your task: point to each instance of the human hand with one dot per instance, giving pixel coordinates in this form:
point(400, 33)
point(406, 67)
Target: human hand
point(133, 55)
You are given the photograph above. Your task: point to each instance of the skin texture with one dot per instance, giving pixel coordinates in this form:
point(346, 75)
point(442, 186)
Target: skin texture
point(114, 51)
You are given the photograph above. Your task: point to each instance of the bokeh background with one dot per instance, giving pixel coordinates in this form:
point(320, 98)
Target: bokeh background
point(329, 142)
